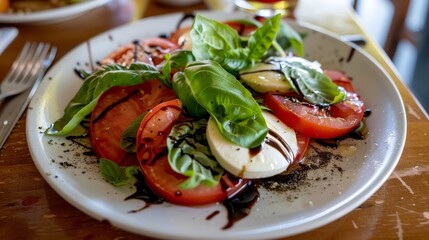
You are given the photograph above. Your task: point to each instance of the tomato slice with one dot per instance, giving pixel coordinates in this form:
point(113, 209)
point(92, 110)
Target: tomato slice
point(154, 130)
point(341, 79)
point(302, 142)
point(125, 55)
point(241, 28)
point(182, 37)
point(164, 182)
point(158, 47)
point(315, 121)
point(150, 51)
point(115, 110)
point(153, 160)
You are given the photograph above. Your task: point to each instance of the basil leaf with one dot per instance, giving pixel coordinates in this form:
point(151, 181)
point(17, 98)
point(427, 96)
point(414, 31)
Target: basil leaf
point(129, 136)
point(93, 86)
point(212, 40)
point(189, 155)
point(114, 174)
point(180, 58)
point(166, 71)
point(288, 37)
point(314, 86)
point(232, 106)
point(261, 40)
point(183, 92)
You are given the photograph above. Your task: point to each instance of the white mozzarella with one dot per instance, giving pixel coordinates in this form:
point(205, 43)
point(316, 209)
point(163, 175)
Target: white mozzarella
point(266, 77)
point(271, 159)
point(185, 41)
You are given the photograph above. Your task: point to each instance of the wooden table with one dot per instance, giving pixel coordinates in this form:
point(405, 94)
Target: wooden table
point(31, 209)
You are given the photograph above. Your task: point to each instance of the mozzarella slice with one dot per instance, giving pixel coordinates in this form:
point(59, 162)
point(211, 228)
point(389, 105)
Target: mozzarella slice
point(271, 158)
point(267, 77)
point(264, 77)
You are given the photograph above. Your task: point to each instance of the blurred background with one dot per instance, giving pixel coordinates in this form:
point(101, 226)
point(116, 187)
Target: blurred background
point(401, 27)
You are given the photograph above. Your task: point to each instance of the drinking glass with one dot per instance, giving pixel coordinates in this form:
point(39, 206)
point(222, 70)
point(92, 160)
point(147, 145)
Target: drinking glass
point(267, 8)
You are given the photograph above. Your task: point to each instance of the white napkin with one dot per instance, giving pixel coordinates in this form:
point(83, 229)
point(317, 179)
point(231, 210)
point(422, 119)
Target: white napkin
point(7, 34)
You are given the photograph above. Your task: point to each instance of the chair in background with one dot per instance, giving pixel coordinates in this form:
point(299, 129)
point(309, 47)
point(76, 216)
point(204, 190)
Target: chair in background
point(398, 29)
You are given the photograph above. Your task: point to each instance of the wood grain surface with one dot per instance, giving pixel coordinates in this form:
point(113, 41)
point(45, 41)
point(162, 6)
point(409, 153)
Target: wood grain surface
point(31, 209)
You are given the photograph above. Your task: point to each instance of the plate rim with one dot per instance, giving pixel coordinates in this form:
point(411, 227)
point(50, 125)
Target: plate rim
point(56, 14)
point(359, 197)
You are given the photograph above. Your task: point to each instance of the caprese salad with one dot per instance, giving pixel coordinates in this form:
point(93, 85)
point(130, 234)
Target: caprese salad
point(208, 109)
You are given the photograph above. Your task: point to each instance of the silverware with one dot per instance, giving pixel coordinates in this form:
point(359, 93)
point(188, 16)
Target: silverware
point(25, 69)
point(12, 108)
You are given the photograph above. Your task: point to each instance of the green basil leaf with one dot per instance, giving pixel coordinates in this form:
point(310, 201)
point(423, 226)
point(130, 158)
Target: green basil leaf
point(232, 106)
point(183, 92)
point(262, 39)
point(129, 136)
point(288, 37)
point(166, 71)
point(180, 58)
point(212, 40)
point(189, 155)
point(316, 87)
point(93, 86)
point(115, 175)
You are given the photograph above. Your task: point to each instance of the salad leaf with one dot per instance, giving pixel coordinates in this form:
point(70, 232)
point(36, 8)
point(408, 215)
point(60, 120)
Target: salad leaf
point(114, 174)
point(129, 136)
point(93, 86)
point(212, 40)
point(183, 91)
point(177, 59)
point(189, 154)
point(288, 37)
point(262, 39)
point(231, 105)
point(180, 58)
point(166, 71)
point(314, 86)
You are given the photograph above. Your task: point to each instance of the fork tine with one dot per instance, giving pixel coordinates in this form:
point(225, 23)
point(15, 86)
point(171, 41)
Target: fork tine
point(37, 61)
point(22, 68)
point(44, 61)
point(17, 62)
point(25, 70)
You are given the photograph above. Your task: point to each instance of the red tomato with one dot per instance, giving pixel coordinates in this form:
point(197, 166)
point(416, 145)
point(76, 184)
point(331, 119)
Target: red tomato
point(341, 79)
point(241, 28)
point(179, 36)
point(115, 110)
point(158, 47)
point(159, 176)
point(164, 182)
point(314, 121)
point(303, 142)
point(148, 50)
point(154, 130)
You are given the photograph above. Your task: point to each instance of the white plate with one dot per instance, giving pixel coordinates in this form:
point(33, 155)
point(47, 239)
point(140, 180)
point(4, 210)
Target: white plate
point(53, 15)
point(325, 195)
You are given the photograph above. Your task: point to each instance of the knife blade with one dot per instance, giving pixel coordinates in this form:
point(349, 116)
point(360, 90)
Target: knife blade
point(13, 108)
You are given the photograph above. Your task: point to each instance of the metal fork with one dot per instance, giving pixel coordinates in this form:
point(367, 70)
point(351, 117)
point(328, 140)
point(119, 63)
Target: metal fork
point(25, 68)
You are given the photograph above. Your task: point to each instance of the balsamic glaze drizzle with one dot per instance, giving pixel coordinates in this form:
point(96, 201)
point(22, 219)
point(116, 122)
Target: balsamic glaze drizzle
point(113, 105)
